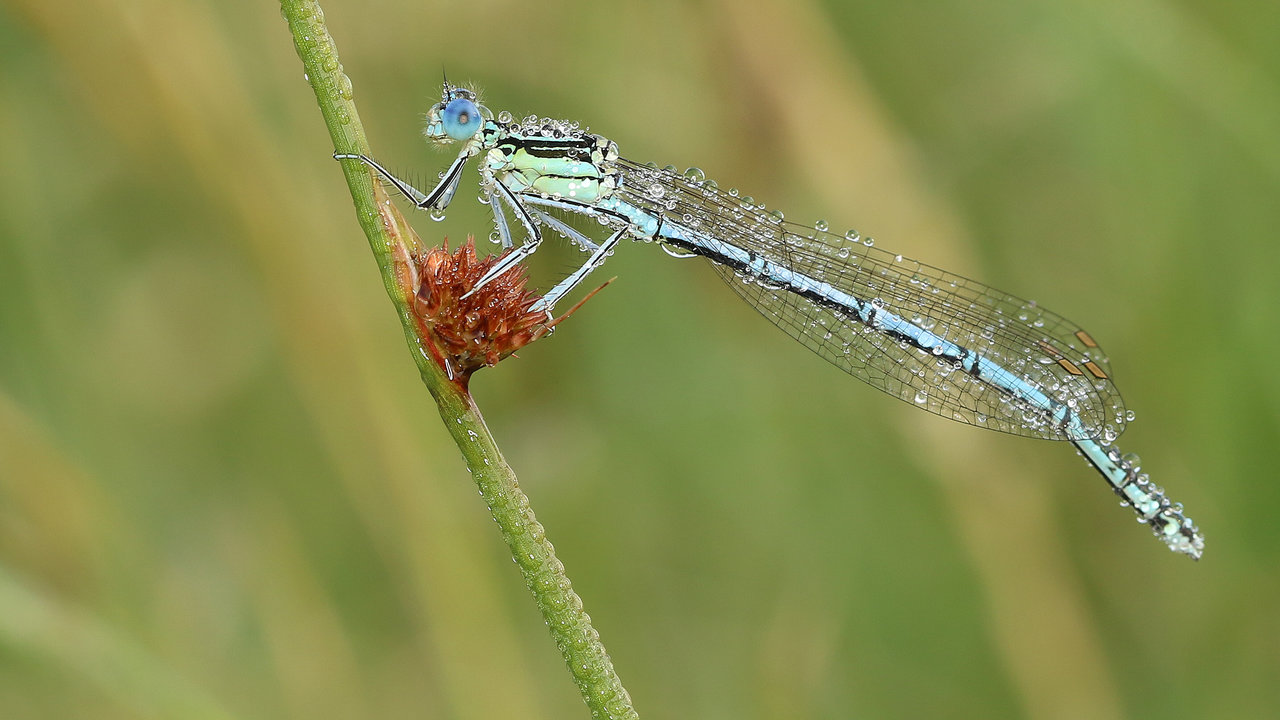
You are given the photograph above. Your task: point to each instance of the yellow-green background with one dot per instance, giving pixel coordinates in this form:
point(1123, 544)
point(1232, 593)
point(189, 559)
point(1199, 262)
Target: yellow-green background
point(225, 493)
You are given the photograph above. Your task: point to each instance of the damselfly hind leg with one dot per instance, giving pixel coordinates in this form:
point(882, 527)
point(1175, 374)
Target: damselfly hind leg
point(575, 237)
point(598, 256)
point(564, 287)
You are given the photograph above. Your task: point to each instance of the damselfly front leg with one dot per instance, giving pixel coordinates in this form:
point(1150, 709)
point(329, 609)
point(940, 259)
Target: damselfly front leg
point(436, 200)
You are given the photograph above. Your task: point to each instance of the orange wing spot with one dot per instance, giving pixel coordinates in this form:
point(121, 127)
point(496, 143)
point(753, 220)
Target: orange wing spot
point(1049, 350)
point(1097, 371)
point(1070, 366)
point(1087, 340)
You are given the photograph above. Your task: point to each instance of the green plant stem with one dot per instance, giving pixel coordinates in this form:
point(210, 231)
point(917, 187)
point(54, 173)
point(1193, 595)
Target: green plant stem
point(393, 242)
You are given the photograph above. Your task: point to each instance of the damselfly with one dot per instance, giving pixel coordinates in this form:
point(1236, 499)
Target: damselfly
point(936, 340)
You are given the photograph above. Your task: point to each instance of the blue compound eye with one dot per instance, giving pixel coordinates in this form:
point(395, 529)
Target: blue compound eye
point(461, 119)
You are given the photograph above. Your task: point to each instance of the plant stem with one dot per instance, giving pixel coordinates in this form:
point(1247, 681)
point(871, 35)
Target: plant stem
point(394, 243)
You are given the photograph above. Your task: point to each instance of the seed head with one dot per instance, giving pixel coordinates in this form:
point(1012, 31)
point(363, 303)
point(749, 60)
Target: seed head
point(468, 333)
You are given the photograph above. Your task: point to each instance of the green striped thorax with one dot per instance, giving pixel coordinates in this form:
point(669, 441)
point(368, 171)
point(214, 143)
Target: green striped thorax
point(550, 158)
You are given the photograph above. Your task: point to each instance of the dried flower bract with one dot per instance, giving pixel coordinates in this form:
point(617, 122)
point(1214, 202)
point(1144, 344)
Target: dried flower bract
point(466, 334)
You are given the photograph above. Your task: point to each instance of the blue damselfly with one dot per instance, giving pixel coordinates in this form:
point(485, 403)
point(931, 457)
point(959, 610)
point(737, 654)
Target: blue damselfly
point(939, 341)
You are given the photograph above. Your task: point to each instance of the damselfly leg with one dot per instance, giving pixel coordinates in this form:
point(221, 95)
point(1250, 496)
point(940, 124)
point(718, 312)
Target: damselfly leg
point(439, 197)
point(564, 287)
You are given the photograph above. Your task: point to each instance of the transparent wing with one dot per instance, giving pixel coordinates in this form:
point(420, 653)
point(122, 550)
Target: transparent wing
point(1038, 346)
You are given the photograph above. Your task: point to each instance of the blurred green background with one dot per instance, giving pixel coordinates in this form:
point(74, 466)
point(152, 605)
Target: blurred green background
point(225, 493)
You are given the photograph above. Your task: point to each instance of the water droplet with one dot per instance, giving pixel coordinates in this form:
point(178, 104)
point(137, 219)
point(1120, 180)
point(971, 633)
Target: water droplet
point(820, 225)
point(868, 241)
point(695, 175)
point(922, 397)
point(1130, 415)
point(437, 214)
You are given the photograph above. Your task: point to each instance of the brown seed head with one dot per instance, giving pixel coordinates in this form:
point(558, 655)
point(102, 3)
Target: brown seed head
point(466, 334)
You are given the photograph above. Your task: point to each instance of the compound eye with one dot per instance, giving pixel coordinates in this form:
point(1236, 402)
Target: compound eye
point(461, 119)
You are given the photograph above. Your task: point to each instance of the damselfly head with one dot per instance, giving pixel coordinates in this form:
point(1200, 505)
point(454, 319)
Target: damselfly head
point(456, 117)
